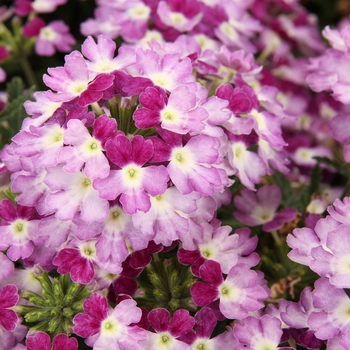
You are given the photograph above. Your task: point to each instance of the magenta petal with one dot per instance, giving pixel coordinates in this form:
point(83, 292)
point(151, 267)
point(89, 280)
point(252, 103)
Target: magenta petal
point(225, 92)
point(159, 319)
point(82, 272)
point(153, 98)
point(196, 266)
point(240, 103)
point(66, 259)
point(88, 97)
point(142, 150)
point(211, 272)
point(187, 257)
point(63, 342)
point(203, 294)
point(136, 85)
point(101, 82)
point(96, 306)
point(8, 319)
point(146, 118)
point(124, 285)
point(205, 322)
point(140, 259)
point(181, 323)
point(7, 210)
point(104, 127)
point(40, 341)
point(8, 296)
point(119, 150)
point(85, 325)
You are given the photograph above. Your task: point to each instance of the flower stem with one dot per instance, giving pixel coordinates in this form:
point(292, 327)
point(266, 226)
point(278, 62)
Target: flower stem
point(28, 71)
point(276, 237)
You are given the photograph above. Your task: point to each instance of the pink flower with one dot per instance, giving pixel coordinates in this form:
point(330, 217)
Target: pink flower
point(73, 80)
point(254, 333)
point(200, 338)
point(77, 261)
point(101, 58)
point(248, 165)
point(33, 27)
point(105, 327)
point(178, 113)
point(331, 319)
point(238, 294)
point(18, 233)
point(331, 259)
point(74, 193)
point(217, 244)
point(168, 331)
point(54, 36)
point(304, 240)
point(260, 208)
point(167, 72)
point(86, 150)
point(182, 16)
point(133, 181)
point(193, 166)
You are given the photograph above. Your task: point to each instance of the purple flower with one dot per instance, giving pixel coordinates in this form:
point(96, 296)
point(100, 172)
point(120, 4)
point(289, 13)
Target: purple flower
point(249, 166)
point(200, 338)
point(54, 36)
point(182, 16)
point(178, 113)
point(238, 294)
point(217, 244)
point(167, 72)
point(332, 259)
point(165, 221)
point(41, 341)
point(105, 327)
point(305, 239)
point(73, 80)
point(254, 333)
point(72, 194)
point(85, 149)
point(340, 210)
point(133, 181)
point(260, 208)
point(101, 58)
point(166, 331)
point(77, 261)
point(296, 315)
point(18, 233)
point(193, 166)
point(332, 317)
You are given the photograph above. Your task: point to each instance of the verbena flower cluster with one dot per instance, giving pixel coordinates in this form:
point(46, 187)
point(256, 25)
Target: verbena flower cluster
point(184, 189)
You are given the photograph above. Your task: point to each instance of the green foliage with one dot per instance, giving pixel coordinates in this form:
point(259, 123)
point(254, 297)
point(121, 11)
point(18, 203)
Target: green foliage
point(298, 197)
point(12, 116)
point(54, 309)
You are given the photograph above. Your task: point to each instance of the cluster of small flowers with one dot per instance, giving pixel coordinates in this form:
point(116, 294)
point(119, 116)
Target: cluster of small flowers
point(323, 244)
point(49, 36)
point(130, 155)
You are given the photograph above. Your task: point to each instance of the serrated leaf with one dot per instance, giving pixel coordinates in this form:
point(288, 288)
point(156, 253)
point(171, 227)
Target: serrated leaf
point(14, 88)
point(14, 108)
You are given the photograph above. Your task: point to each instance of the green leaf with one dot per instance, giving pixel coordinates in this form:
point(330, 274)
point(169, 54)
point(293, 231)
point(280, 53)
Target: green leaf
point(14, 88)
point(12, 116)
